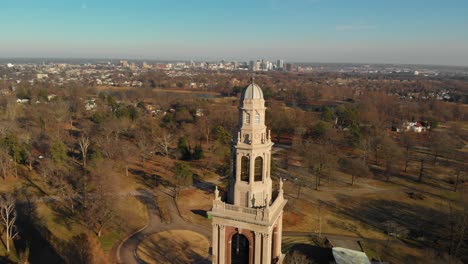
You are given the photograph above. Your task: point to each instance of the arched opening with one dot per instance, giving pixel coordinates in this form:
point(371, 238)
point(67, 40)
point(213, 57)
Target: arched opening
point(257, 118)
point(239, 249)
point(258, 169)
point(245, 168)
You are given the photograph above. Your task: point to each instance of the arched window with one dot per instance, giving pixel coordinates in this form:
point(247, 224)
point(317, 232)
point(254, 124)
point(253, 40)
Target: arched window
point(245, 168)
point(258, 169)
point(239, 249)
point(257, 118)
point(247, 118)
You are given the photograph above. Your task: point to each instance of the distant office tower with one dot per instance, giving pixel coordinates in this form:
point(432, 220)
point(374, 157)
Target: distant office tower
point(289, 67)
point(258, 66)
point(280, 64)
point(251, 65)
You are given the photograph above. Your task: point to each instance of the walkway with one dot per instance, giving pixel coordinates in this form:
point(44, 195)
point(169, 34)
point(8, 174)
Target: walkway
point(126, 252)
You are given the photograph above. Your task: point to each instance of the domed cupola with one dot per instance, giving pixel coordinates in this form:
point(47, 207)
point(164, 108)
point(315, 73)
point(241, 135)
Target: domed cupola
point(252, 91)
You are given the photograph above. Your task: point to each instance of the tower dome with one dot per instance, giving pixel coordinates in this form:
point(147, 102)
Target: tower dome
point(252, 91)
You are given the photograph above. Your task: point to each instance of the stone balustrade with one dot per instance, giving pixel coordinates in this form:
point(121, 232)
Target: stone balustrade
point(264, 214)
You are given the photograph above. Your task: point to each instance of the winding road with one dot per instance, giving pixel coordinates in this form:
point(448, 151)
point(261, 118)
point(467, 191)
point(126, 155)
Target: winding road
point(126, 252)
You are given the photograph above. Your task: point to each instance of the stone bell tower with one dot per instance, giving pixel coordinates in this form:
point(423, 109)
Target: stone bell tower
point(247, 228)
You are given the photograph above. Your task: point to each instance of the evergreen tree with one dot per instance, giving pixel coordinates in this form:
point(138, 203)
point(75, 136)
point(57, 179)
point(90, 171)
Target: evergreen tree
point(58, 151)
point(198, 152)
point(184, 149)
point(327, 115)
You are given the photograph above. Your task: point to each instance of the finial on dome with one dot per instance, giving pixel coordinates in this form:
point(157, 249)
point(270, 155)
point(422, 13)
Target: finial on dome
point(252, 83)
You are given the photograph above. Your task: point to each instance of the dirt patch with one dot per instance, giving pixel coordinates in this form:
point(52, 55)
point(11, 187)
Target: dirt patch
point(175, 246)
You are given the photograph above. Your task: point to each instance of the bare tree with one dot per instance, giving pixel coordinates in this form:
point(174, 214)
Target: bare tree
point(407, 142)
point(8, 218)
point(458, 173)
point(99, 214)
point(442, 144)
point(391, 154)
point(84, 145)
point(421, 170)
point(354, 167)
point(164, 142)
point(66, 193)
point(458, 221)
point(320, 161)
point(206, 127)
point(145, 146)
point(126, 152)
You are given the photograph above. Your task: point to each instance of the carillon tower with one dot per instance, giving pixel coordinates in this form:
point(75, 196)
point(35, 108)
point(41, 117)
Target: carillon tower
point(247, 227)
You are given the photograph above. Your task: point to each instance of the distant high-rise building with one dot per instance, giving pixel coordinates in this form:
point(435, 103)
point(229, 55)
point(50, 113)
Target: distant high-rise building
point(279, 64)
point(269, 66)
point(258, 66)
point(289, 67)
point(251, 65)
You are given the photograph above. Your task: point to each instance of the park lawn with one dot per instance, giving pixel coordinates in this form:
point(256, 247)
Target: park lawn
point(9, 184)
point(57, 224)
point(108, 239)
point(132, 215)
point(397, 252)
point(131, 212)
point(193, 205)
point(174, 246)
point(303, 216)
point(12, 256)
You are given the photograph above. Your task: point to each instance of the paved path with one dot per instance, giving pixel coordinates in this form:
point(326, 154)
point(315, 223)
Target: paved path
point(126, 252)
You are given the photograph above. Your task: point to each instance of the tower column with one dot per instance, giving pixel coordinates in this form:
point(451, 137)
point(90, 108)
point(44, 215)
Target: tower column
point(268, 161)
point(266, 251)
point(264, 167)
point(279, 236)
point(258, 244)
point(215, 244)
point(252, 170)
point(222, 244)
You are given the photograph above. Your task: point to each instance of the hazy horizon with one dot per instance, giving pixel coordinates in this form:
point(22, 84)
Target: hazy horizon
point(362, 31)
point(39, 59)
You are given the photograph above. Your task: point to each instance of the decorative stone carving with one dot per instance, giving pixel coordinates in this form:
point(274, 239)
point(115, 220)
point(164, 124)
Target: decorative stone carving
point(217, 198)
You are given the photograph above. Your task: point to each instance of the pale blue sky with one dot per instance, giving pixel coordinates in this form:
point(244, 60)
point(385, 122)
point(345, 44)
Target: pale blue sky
point(397, 31)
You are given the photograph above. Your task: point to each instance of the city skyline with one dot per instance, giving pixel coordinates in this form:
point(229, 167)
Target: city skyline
point(420, 32)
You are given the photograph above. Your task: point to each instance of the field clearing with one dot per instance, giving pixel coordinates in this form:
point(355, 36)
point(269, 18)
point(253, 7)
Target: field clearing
point(193, 205)
point(174, 246)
